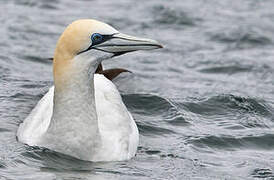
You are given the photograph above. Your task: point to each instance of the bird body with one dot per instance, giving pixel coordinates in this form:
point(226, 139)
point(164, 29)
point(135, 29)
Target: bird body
point(117, 128)
point(83, 115)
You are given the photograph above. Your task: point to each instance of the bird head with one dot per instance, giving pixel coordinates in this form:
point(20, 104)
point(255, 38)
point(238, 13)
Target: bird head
point(87, 42)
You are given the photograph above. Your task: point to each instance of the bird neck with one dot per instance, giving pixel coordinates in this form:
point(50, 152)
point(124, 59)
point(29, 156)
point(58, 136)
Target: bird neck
point(74, 111)
point(75, 94)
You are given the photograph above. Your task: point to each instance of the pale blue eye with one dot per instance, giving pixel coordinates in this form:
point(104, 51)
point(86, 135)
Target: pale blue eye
point(96, 38)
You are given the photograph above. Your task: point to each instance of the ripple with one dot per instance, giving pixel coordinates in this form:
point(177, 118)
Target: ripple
point(37, 59)
point(232, 69)
point(48, 5)
point(165, 15)
point(156, 107)
point(30, 3)
point(148, 151)
point(154, 114)
point(262, 173)
point(153, 130)
point(242, 38)
point(151, 152)
point(177, 120)
point(32, 86)
point(26, 97)
point(4, 130)
point(54, 160)
point(146, 104)
point(264, 142)
point(4, 71)
point(21, 95)
point(222, 103)
point(232, 112)
point(2, 165)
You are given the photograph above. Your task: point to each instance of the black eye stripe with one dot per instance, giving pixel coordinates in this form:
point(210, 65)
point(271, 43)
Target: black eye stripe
point(104, 39)
point(98, 38)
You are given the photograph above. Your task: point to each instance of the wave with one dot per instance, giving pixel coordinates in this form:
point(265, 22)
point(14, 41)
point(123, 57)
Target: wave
point(259, 142)
point(226, 69)
point(223, 104)
point(165, 15)
point(242, 38)
point(154, 114)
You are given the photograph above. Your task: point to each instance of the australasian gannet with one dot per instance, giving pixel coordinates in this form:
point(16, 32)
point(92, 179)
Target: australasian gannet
point(83, 115)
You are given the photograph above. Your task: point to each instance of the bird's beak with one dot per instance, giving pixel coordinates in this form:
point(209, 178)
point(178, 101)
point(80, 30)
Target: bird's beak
point(122, 43)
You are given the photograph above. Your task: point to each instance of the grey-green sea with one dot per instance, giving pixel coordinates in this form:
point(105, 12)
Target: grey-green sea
point(204, 104)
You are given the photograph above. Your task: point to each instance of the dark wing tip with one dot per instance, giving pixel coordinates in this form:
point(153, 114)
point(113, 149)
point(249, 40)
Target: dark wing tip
point(113, 73)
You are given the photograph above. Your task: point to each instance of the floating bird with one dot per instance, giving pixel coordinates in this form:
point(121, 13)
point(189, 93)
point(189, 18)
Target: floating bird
point(83, 115)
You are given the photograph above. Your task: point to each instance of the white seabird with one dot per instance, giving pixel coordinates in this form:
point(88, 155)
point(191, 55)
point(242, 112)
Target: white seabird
point(83, 115)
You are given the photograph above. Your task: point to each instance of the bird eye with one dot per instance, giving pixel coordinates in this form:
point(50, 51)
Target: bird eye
point(96, 38)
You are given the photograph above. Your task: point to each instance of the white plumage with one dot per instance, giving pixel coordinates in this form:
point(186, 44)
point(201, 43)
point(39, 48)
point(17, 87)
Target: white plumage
point(83, 115)
point(117, 127)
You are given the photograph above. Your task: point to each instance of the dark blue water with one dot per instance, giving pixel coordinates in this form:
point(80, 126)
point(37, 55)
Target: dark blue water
point(204, 104)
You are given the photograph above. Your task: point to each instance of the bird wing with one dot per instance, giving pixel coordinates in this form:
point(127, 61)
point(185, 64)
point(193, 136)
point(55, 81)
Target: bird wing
point(37, 122)
point(115, 122)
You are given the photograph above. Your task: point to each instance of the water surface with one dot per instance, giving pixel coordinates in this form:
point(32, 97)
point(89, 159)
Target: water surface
point(203, 104)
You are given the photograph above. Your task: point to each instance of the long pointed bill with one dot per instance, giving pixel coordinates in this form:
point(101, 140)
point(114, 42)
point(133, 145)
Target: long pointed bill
point(122, 43)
